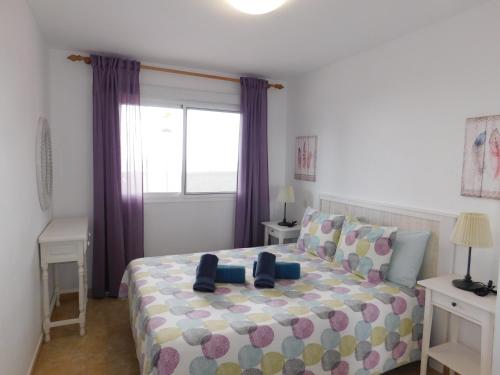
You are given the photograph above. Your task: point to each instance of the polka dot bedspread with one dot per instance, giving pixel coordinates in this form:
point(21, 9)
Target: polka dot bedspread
point(328, 322)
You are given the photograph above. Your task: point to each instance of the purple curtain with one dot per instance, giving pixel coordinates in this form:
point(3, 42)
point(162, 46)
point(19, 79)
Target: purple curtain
point(252, 197)
point(118, 204)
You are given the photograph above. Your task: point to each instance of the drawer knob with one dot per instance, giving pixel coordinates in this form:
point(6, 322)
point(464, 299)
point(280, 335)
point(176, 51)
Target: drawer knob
point(454, 304)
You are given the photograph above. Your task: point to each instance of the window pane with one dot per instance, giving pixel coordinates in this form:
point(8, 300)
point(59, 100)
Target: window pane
point(212, 147)
point(162, 149)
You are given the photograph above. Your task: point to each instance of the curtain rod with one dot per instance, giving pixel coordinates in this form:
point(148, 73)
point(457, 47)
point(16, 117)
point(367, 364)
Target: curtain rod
point(88, 60)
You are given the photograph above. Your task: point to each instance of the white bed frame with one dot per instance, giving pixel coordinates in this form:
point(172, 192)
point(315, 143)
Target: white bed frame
point(440, 254)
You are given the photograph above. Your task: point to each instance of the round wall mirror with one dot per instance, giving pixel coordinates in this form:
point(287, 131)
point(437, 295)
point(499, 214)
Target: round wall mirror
point(44, 164)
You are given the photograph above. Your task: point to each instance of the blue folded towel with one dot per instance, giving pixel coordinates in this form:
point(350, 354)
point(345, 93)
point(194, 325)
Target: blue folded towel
point(264, 272)
point(205, 273)
point(284, 270)
point(230, 274)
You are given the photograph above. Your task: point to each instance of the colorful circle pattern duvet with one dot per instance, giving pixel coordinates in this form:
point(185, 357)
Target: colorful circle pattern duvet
point(328, 322)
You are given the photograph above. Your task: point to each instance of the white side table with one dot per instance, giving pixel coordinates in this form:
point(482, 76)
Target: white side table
point(271, 228)
point(64, 240)
point(460, 304)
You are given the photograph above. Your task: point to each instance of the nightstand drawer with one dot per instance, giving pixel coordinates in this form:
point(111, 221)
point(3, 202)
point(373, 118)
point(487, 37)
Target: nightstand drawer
point(457, 307)
point(285, 235)
point(282, 233)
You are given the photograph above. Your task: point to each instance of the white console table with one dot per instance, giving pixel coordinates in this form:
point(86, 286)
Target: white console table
point(64, 240)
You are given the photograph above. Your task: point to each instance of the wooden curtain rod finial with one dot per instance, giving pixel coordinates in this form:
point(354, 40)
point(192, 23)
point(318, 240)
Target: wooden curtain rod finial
point(277, 86)
point(87, 60)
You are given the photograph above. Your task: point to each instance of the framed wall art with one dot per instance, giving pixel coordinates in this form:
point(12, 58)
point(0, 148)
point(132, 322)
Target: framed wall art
point(481, 166)
point(305, 158)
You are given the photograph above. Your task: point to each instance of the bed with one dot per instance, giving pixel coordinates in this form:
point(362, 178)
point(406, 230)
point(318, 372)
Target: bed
point(329, 321)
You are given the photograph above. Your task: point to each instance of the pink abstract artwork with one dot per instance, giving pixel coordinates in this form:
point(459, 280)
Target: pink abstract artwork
point(481, 168)
point(305, 158)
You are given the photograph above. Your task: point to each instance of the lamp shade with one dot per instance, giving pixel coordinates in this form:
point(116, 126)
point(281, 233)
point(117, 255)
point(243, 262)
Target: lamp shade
point(472, 230)
point(286, 195)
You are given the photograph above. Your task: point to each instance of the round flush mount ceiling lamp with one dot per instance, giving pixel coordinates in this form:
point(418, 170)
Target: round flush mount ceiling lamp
point(256, 6)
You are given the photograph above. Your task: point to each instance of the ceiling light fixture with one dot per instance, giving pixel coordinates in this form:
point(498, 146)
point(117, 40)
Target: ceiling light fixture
point(256, 6)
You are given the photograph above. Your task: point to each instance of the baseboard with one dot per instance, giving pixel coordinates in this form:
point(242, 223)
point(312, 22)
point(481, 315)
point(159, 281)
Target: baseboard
point(35, 356)
point(40, 340)
point(436, 365)
point(68, 291)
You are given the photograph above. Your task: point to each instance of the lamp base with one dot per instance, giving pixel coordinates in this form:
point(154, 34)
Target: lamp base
point(284, 223)
point(467, 285)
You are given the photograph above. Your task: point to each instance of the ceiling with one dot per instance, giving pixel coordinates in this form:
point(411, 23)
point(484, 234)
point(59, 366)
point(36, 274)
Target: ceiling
point(209, 34)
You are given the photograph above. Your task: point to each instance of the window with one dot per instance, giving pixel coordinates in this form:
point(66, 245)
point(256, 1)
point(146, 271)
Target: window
point(162, 132)
point(190, 150)
point(212, 147)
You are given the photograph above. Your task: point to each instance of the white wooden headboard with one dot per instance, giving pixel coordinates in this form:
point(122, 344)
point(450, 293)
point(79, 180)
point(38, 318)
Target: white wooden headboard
point(440, 254)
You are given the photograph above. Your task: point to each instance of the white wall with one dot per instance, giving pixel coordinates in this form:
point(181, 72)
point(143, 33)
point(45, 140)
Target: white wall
point(391, 122)
point(169, 226)
point(23, 98)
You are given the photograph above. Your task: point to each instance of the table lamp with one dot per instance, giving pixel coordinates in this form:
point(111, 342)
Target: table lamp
point(471, 230)
point(286, 195)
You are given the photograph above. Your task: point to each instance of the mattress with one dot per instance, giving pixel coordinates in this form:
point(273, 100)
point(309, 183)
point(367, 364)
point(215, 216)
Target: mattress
point(328, 322)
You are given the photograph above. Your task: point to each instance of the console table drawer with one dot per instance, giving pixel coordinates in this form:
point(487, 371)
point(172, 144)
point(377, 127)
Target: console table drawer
point(59, 252)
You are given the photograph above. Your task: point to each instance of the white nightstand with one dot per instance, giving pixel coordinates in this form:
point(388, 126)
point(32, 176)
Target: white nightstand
point(439, 292)
point(271, 228)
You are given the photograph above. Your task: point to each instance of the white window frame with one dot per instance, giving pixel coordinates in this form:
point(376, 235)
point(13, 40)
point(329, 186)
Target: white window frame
point(183, 196)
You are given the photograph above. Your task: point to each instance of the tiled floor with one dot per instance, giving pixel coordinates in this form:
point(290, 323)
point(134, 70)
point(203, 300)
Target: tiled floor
point(108, 347)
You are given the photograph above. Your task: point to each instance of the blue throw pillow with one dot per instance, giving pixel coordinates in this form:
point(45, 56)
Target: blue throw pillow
point(408, 255)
